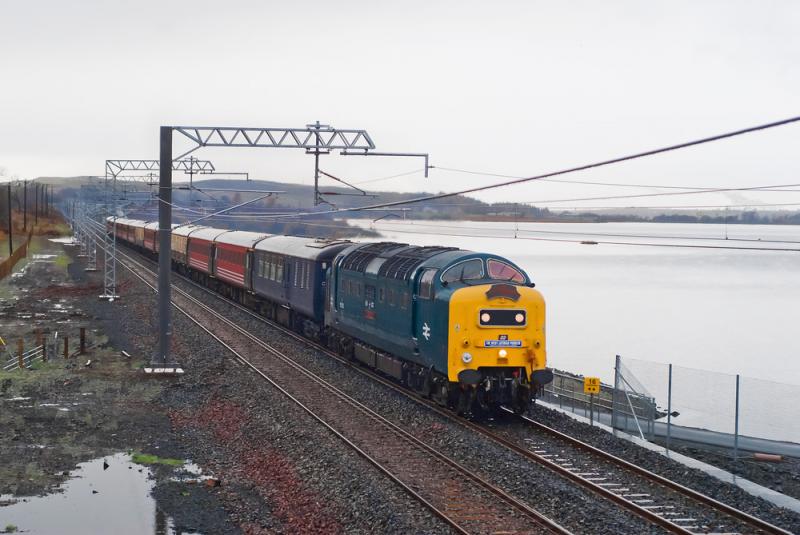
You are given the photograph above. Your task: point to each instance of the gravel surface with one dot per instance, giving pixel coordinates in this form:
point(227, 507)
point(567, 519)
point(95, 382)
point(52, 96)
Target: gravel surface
point(654, 462)
point(783, 476)
point(279, 471)
point(558, 499)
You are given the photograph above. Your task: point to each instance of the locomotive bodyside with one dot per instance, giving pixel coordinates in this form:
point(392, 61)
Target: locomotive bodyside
point(417, 313)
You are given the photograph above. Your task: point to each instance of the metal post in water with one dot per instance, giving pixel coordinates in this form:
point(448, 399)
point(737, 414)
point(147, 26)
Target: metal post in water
point(83, 340)
point(21, 353)
point(736, 425)
point(669, 406)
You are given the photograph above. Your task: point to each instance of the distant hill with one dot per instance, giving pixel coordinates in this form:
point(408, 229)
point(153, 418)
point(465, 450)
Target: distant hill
point(299, 198)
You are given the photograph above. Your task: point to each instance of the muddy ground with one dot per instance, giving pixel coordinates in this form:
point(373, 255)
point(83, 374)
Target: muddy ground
point(64, 412)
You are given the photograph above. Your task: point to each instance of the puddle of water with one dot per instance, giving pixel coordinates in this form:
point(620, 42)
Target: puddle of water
point(121, 505)
point(43, 256)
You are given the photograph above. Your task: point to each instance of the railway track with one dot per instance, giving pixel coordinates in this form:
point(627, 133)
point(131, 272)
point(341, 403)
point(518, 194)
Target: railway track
point(663, 502)
point(466, 502)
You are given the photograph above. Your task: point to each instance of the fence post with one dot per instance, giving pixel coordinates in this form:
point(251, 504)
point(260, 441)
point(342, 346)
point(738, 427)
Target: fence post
point(20, 346)
point(669, 406)
point(736, 425)
point(615, 394)
point(574, 400)
point(66, 347)
point(83, 340)
point(44, 347)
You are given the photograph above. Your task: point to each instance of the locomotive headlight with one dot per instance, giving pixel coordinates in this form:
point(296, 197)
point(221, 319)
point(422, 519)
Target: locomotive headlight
point(485, 317)
point(502, 353)
point(466, 358)
point(519, 318)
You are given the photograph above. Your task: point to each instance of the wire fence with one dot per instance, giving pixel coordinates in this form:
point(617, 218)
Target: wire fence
point(48, 346)
point(672, 404)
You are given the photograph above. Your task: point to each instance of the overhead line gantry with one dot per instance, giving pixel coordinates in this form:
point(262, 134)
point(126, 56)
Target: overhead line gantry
point(316, 139)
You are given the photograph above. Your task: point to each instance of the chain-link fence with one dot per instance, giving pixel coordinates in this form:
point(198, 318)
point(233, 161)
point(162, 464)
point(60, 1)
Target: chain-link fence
point(718, 409)
point(671, 403)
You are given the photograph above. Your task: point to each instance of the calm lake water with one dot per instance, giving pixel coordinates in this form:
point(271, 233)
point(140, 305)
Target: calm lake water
point(731, 311)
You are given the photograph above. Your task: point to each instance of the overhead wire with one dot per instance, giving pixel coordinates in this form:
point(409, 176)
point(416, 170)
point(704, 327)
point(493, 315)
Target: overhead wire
point(579, 241)
point(593, 183)
point(574, 169)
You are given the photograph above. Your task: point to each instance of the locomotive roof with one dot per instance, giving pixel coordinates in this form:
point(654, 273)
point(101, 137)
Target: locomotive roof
point(392, 260)
point(242, 238)
point(305, 248)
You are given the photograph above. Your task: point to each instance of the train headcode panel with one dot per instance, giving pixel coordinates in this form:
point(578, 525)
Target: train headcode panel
point(591, 385)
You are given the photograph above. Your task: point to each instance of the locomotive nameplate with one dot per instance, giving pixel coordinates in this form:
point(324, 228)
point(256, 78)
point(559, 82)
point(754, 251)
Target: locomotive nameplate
point(502, 343)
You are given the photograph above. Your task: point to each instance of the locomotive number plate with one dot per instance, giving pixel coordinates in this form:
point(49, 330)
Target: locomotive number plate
point(502, 343)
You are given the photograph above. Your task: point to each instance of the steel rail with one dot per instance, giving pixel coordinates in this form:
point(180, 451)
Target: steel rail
point(652, 477)
point(526, 510)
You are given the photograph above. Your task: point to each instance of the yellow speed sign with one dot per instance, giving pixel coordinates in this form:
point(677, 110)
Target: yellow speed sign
point(591, 385)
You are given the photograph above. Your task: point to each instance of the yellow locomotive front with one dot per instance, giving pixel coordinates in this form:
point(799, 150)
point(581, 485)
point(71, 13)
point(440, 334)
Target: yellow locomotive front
point(496, 344)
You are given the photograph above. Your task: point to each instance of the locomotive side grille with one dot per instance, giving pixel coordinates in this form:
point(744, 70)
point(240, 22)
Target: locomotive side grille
point(361, 257)
point(403, 264)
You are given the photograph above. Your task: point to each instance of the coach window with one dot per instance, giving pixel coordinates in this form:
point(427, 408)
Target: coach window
point(279, 269)
point(426, 283)
point(380, 294)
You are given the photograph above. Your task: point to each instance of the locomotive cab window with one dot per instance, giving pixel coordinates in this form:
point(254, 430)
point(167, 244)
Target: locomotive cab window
point(502, 271)
point(464, 271)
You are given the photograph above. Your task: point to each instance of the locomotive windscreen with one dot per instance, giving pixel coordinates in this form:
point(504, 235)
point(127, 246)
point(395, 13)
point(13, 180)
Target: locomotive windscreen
point(502, 317)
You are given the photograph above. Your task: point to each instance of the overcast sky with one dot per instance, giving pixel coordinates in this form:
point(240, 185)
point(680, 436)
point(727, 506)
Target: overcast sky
point(517, 87)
